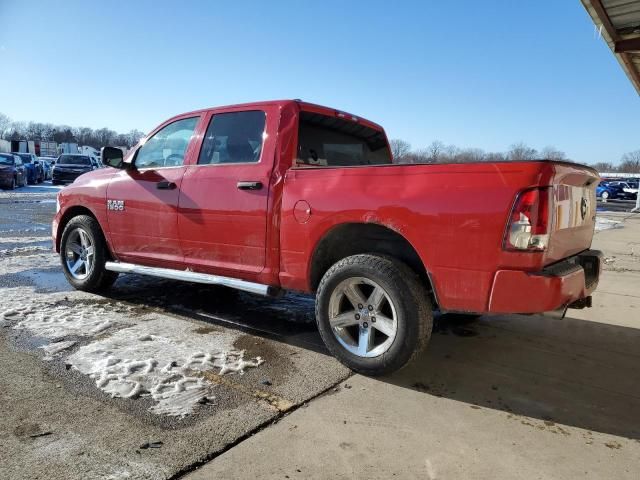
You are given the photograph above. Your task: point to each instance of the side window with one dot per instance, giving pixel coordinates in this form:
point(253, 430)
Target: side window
point(18, 160)
point(168, 146)
point(234, 137)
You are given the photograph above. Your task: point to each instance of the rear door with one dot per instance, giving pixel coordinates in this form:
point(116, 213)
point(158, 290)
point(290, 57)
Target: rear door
point(142, 202)
point(223, 203)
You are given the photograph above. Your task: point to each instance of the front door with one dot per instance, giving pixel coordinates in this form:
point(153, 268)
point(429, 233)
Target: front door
point(223, 203)
point(142, 201)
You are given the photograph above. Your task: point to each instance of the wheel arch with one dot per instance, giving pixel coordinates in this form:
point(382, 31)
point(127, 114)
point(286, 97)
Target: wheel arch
point(355, 238)
point(72, 212)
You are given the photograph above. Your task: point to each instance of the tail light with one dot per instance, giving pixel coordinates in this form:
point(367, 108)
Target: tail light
point(528, 228)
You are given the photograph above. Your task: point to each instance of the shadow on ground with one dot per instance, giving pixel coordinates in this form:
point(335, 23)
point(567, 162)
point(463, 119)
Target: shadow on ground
point(572, 372)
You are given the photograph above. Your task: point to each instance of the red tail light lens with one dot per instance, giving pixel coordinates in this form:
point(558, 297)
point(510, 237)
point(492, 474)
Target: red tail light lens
point(528, 227)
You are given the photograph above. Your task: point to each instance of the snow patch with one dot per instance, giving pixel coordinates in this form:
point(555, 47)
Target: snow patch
point(11, 264)
point(53, 349)
point(606, 224)
point(17, 250)
point(26, 230)
point(51, 320)
point(23, 240)
point(161, 359)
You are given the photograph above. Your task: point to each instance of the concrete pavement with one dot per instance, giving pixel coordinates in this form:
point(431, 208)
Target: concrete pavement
point(502, 398)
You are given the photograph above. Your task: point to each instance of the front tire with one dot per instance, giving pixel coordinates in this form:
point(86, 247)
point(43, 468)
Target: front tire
point(83, 253)
point(605, 196)
point(373, 313)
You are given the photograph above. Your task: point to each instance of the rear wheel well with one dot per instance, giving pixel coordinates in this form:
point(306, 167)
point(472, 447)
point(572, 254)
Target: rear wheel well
point(364, 238)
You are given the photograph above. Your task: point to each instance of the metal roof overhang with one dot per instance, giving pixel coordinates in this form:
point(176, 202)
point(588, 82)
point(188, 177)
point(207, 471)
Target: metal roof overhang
point(619, 24)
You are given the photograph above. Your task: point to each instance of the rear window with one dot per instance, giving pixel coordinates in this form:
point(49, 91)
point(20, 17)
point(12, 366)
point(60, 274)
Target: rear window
point(6, 159)
point(335, 142)
point(74, 160)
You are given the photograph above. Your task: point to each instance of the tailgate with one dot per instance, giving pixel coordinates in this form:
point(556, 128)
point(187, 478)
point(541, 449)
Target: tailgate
point(574, 214)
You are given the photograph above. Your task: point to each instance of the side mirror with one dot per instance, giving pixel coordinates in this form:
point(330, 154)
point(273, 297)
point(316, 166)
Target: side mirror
point(112, 157)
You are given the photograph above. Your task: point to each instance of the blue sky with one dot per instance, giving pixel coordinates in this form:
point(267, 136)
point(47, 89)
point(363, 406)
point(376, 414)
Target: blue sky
point(474, 74)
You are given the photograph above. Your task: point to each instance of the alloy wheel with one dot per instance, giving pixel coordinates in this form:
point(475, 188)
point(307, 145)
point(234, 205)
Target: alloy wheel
point(79, 254)
point(362, 317)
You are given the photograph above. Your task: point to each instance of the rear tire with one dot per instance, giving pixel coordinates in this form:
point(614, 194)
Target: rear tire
point(605, 195)
point(83, 254)
point(373, 313)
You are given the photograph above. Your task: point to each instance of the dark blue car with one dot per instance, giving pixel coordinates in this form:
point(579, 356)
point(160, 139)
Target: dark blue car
point(35, 172)
point(606, 191)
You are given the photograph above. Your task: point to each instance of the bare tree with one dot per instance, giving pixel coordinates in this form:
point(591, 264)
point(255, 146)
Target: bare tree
point(631, 162)
point(62, 133)
point(133, 137)
point(552, 153)
point(494, 157)
point(5, 125)
point(468, 155)
point(520, 151)
point(450, 153)
point(17, 131)
point(399, 149)
point(417, 156)
point(435, 151)
point(604, 167)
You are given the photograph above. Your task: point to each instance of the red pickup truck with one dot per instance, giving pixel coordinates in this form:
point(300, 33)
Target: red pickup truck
point(287, 195)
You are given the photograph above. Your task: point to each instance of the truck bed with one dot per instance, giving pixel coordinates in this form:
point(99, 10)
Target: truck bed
point(453, 215)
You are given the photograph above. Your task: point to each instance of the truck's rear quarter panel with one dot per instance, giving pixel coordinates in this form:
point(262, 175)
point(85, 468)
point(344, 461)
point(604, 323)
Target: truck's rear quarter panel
point(454, 215)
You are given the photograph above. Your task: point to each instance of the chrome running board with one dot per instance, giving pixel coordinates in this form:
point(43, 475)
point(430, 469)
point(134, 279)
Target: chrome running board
point(188, 276)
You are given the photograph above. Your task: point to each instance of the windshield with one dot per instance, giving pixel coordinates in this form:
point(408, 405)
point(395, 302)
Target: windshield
point(26, 157)
point(73, 160)
point(6, 160)
point(334, 142)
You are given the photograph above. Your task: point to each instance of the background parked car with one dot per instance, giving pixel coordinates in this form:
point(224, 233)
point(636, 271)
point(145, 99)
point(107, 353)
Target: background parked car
point(630, 188)
point(47, 163)
point(608, 191)
point(68, 167)
point(12, 171)
point(35, 171)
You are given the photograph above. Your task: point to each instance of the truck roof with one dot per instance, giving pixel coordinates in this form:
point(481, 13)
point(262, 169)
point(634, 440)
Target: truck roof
point(282, 103)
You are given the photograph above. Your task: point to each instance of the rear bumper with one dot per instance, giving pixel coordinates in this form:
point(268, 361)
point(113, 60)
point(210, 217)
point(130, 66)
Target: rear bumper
point(556, 286)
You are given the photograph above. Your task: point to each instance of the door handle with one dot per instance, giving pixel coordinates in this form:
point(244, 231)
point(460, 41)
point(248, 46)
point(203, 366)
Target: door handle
point(249, 185)
point(165, 185)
